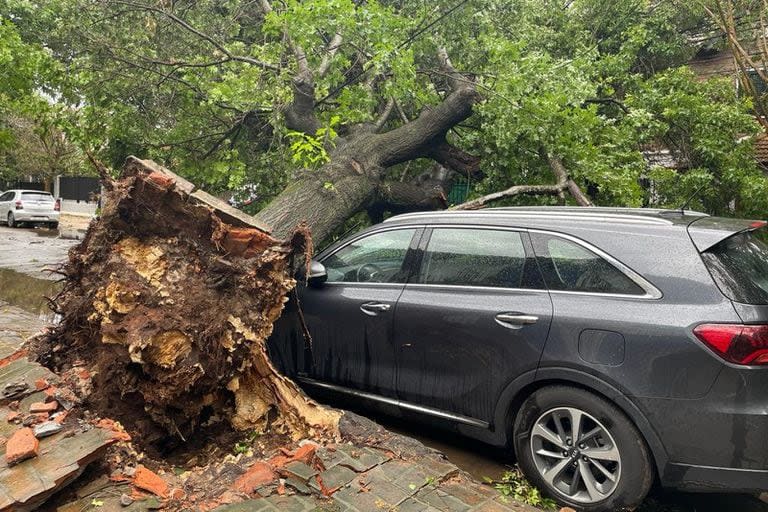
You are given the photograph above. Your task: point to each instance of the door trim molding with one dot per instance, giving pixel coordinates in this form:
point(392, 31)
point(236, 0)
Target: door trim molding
point(466, 420)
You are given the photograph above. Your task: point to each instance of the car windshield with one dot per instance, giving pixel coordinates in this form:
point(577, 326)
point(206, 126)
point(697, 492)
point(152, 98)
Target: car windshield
point(36, 196)
point(739, 265)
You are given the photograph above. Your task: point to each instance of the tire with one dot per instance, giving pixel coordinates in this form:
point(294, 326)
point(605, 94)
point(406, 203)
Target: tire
point(562, 469)
point(53, 225)
point(11, 221)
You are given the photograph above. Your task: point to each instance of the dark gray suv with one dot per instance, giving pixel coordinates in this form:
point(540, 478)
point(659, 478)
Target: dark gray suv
point(608, 347)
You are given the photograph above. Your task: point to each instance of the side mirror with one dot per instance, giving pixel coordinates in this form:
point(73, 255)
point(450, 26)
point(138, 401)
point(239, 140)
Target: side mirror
point(317, 274)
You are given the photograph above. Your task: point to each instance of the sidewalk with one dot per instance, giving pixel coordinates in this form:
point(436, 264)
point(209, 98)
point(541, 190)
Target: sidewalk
point(369, 468)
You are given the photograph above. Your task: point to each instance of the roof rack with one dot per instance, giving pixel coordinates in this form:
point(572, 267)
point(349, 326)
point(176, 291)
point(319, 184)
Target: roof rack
point(641, 215)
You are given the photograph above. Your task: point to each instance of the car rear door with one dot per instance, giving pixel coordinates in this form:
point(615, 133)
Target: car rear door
point(5, 201)
point(350, 316)
point(473, 318)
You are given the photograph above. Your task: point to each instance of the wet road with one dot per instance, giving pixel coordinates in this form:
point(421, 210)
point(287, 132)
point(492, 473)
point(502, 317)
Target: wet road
point(28, 251)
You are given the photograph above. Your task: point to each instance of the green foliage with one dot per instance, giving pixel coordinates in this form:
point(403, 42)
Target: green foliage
point(597, 84)
point(309, 151)
point(514, 485)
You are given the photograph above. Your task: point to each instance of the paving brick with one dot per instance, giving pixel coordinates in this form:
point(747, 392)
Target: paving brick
point(442, 500)
point(21, 446)
point(292, 503)
point(470, 494)
point(334, 478)
point(300, 470)
point(256, 476)
point(414, 505)
point(358, 459)
point(247, 506)
point(353, 499)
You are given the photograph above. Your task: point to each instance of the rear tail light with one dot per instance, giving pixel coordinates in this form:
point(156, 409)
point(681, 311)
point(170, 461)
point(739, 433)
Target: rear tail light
point(57, 206)
point(19, 206)
point(736, 343)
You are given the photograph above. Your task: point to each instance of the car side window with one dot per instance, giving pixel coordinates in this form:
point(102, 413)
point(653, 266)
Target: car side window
point(569, 266)
point(6, 197)
point(474, 257)
point(377, 258)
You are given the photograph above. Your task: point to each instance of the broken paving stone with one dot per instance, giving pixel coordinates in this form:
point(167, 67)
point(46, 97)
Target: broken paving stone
point(331, 480)
point(15, 389)
point(300, 470)
point(298, 485)
point(13, 417)
point(46, 407)
point(21, 446)
point(258, 475)
point(33, 419)
point(150, 481)
point(125, 500)
point(47, 429)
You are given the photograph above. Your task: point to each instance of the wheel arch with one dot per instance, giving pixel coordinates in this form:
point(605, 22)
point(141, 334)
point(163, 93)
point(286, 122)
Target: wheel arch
point(520, 389)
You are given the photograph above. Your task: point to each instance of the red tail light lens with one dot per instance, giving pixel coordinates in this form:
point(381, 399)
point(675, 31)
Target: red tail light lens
point(19, 206)
point(740, 344)
point(57, 206)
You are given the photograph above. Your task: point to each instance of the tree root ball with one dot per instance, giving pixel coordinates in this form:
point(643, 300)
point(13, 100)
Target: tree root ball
point(169, 301)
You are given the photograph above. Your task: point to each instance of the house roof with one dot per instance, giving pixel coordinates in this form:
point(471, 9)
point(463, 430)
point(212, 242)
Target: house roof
point(761, 148)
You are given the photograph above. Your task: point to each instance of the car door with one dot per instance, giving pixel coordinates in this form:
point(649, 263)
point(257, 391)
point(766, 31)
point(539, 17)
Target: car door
point(350, 316)
point(5, 200)
point(475, 317)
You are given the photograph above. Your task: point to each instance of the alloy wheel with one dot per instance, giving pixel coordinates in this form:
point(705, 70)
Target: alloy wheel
point(575, 455)
point(11, 220)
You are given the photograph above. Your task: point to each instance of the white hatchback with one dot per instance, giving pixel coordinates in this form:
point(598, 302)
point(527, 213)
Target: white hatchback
point(30, 207)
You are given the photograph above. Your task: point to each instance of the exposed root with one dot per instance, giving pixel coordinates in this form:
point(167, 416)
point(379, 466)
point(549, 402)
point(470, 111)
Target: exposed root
point(169, 300)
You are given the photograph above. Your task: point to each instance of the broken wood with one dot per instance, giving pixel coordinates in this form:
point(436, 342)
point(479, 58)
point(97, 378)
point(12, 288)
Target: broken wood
point(169, 300)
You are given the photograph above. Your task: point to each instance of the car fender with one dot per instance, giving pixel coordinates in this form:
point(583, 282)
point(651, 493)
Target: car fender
point(521, 387)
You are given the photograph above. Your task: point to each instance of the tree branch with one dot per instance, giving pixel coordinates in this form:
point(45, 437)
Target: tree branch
point(385, 114)
point(564, 183)
point(456, 159)
point(330, 52)
point(198, 33)
point(414, 138)
point(300, 114)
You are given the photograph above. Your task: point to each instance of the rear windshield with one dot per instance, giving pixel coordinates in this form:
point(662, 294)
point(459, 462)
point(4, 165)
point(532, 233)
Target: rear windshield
point(739, 265)
point(36, 196)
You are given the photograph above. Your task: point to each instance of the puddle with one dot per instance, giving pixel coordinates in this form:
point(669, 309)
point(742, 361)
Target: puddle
point(28, 293)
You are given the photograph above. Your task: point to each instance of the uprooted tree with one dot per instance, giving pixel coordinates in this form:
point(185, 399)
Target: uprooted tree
point(169, 301)
point(319, 110)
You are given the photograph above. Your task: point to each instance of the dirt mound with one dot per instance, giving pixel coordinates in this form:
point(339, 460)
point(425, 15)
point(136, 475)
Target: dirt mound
point(168, 302)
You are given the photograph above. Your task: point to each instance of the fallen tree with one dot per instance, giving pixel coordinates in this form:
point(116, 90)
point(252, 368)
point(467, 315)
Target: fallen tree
point(168, 301)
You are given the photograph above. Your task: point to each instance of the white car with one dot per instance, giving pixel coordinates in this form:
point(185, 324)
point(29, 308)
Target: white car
point(29, 206)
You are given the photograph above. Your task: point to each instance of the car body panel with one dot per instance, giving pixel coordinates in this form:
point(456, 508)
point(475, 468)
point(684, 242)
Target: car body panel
point(704, 420)
point(36, 207)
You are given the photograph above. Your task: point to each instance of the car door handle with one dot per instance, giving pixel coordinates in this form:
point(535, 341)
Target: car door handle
point(515, 320)
point(374, 308)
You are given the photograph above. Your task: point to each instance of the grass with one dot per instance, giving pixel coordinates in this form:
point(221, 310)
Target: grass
point(514, 485)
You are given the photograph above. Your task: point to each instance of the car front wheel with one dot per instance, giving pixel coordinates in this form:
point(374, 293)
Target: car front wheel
point(582, 450)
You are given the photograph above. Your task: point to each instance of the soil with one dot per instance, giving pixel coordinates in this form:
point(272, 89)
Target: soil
point(168, 302)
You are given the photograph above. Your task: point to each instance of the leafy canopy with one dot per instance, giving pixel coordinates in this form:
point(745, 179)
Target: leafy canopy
point(202, 86)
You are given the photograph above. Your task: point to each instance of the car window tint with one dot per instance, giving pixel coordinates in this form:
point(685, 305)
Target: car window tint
point(569, 266)
point(474, 257)
point(739, 265)
point(7, 196)
point(376, 258)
